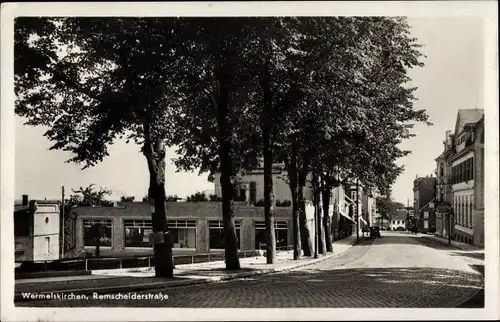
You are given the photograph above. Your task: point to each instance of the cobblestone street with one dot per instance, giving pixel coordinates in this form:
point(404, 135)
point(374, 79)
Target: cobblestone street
point(397, 270)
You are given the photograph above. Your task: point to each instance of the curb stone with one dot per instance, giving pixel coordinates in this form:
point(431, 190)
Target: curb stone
point(445, 242)
point(151, 286)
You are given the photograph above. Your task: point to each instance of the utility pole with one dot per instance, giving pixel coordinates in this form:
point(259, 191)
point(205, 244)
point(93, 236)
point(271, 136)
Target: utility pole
point(357, 210)
point(62, 224)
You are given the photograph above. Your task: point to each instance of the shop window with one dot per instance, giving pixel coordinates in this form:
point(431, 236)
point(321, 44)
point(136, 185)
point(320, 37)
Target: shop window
point(137, 232)
point(97, 230)
point(183, 233)
point(280, 234)
point(216, 232)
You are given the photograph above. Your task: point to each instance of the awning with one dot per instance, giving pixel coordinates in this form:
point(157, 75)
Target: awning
point(349, 218)
point(348, 199)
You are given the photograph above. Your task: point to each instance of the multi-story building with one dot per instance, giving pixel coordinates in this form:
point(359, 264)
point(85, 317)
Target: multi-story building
point(467, 177)
point(424, 198)
point(444, 193)
point(399, 220)
point(251, 185)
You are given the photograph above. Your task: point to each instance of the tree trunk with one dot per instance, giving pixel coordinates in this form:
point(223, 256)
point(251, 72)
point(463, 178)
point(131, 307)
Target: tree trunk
point(154, 151)
point(319, 224)
point(318, 213)
point(304, 229)
point(268, 195)
point(98, 247)
point(327, 223)
point(228, 177)
point(292, 176)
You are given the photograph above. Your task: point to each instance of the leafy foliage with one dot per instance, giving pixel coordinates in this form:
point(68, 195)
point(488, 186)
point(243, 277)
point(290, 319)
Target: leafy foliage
point(214, 197)
point(387, 207)
point(127, 198)
point(327, 95)
point(197, 197)
point(89, 196)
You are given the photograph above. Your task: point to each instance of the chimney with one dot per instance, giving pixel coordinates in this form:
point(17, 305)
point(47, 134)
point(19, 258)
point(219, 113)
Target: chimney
point(25, 200)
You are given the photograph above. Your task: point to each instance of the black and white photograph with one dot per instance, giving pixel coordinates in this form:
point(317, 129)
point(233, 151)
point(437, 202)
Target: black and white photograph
point(299, 158)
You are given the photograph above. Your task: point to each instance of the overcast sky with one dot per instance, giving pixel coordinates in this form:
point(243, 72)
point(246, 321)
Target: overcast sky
point(452, 79)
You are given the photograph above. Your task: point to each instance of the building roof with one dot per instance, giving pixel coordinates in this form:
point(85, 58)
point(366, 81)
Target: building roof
point(432, 200)
point(468, 116)
point(401, 214)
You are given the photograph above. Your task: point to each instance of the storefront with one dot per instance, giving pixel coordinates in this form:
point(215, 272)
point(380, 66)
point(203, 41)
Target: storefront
point(280, 234)
point(216, 231)
point(194, 227)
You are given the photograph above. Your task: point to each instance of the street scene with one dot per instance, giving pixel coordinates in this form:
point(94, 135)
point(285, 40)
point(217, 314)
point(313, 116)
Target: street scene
point(373, 273)
point(250, 162)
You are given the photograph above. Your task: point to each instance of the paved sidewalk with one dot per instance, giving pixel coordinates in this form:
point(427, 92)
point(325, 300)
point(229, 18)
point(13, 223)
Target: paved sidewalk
point(459, 245)
point(127, 280)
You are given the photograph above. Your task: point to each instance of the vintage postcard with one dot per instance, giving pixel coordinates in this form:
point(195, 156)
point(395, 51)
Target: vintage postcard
point(249, 161)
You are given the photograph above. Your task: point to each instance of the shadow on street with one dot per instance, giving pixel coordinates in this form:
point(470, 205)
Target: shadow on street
point(477, 301)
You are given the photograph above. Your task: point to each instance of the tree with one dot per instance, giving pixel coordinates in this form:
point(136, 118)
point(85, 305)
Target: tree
point(127, 198)
point(215, 136)
point(88, 196)
point(214, 197)
point(97, 231)
point(387, 207)
point(172, 198)
point(197, 197)
point(101, 78)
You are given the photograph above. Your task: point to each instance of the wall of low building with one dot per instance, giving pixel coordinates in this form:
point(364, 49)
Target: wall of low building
point(23, 248)
point(427, 222)
point(46, 232)
point(202, 212)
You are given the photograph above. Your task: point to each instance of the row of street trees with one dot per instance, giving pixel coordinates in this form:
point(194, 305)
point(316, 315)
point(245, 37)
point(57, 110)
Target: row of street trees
point(326, 96)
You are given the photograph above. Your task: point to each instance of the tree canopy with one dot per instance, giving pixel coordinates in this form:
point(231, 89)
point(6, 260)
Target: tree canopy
point(323, 95)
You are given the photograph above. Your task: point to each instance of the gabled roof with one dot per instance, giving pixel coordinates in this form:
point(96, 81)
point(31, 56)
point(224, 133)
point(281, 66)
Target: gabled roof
point(467, 116)
point(401, 214)
point(432, 200)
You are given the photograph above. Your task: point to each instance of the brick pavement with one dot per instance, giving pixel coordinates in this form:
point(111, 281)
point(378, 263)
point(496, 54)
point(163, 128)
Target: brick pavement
point(383, 273)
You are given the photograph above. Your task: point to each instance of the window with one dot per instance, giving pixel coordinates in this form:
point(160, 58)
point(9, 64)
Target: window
point(137, 232)
point(217, 234)
point(441, 169)
point(253, 192)
point(470, 171)
point(183, 233)
point(97, 230)
point(242, 195)
point(426, 214)
point(426, 225)
point(47, 245)
point(280, 233)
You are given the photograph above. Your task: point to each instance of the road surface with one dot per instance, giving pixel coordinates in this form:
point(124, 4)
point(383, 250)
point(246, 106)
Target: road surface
point(398, 270)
